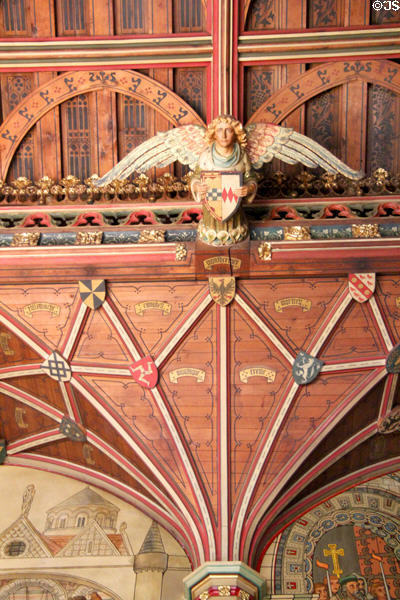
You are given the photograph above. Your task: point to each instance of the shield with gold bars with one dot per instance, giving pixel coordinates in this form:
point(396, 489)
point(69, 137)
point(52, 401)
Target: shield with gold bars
point(222, 289)
point(220, 199)
point(93, 292)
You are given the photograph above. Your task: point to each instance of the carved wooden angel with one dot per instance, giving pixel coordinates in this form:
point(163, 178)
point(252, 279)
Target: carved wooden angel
point(225, 148)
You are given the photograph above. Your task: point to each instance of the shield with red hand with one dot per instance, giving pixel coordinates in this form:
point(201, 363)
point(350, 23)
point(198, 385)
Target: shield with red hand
point(145, 372)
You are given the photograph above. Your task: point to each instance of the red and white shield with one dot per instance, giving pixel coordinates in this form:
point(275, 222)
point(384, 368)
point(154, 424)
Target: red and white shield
point(145, 372)
point(361, 286)
point(220, 198)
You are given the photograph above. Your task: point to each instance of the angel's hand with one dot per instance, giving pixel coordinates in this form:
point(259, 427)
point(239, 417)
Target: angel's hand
point(200, 189)
point(242, 191)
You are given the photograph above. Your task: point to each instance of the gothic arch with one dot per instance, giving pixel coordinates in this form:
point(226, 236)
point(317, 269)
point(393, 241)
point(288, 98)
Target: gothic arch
point(304, 534)
point(324, 77)
point(48, 585)
point(49, 95)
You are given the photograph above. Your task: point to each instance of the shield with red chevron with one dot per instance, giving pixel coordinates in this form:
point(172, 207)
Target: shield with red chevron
point(145, 372)
point(361, 286)
point(220, 199)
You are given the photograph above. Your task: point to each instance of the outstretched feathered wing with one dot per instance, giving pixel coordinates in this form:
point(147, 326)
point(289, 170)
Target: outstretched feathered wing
point(267, 141)
point(184, 144)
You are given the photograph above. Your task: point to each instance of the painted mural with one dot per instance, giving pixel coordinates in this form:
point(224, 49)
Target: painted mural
point(63, 540)
point(348, 547)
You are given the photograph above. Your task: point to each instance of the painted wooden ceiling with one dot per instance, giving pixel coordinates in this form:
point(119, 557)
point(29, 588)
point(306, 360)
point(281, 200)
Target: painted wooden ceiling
point(231, 444)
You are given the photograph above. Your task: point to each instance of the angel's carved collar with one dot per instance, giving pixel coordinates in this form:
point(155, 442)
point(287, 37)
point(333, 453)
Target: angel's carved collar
point(225, 161)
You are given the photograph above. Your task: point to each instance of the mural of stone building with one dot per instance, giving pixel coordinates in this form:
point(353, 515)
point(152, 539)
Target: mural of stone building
point(81, 546)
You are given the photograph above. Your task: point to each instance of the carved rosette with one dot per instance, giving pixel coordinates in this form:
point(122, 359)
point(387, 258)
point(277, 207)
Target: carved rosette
point(180, 252)
point(366, 230)
point(30, 238)
point(89, 238)
point(225, 591)
point(152, 236)
point(297, 233)
point(264, 251)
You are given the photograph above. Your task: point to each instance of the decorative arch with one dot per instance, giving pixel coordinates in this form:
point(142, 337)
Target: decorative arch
point(304, 534)
point(267, 531)
point(322, 78)
point(49, 95)
point(55, 584)
point(48, 585)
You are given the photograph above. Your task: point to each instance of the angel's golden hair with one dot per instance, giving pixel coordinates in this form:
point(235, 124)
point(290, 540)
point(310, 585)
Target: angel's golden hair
point(234, 123)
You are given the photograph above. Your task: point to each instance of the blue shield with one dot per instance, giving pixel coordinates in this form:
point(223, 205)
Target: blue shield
point(306, 368)
point(393, 360)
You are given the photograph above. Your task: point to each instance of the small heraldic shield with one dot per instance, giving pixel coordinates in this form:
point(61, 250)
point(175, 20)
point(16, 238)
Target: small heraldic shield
point(72, 430)
point(306, 368)
point(145, 372)
point(3, 451)
point(56, 367)
point(393, 360)
point(361, 286)
point(222, 289)
point(220, 198)
point(93, 292)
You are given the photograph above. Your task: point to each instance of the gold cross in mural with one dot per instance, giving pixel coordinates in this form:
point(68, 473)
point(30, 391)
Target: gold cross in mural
point(335, 553)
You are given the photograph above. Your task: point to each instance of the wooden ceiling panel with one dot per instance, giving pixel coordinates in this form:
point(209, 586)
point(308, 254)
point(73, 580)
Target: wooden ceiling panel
point(388, 298)
point(13, 351)
point(135, 407)
point(96, 422)
point(155, 311)
point(312, 414)
point(358, 418)
point(373, 451)
point(356, 336)
point(189, 380)
point(294, 308)
point(45, 311)
point(99, 341)
point(43, 387)
point(19, 420)
point(259, 379)
point(88, 456)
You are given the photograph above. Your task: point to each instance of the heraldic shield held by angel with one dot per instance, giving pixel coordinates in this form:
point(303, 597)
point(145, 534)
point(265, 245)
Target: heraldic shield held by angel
point(223, 157)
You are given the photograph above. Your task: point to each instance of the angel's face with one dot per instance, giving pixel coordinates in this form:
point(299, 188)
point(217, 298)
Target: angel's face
point(225, 135)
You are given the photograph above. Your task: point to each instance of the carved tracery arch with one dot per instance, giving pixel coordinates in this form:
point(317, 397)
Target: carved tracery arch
point(322, 78)
point(49, 95)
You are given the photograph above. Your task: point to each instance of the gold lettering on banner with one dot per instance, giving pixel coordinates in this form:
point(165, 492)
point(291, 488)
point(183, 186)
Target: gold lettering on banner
point(187, 372)
point(245, 374)
point(4, 338)
point(19, 417)
point(222, 260)
point(285, 302)
point(165, 307)
point(87, 451)
point(53, 309)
